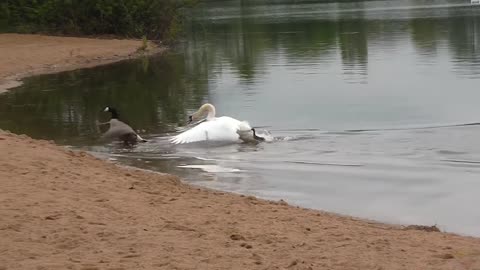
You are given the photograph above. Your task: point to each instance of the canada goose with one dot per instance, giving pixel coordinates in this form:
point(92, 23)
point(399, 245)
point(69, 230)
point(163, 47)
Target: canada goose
point(258, 138)
point(119, 130)
point(222, 129)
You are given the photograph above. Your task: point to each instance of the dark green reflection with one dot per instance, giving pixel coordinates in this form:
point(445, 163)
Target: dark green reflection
point(243, 40)
point(150, 94)
point(244, 34)
point(464, 42)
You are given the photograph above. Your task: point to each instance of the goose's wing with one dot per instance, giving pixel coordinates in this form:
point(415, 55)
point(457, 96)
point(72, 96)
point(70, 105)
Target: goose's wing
point(219, 129)
point(118, 129)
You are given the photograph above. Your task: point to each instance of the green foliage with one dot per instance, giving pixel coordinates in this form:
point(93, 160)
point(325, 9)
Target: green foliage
point(144, 45)
point(155, 19)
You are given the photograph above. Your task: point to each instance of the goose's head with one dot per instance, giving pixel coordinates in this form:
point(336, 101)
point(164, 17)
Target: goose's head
point(111, 110)
point(206, 111)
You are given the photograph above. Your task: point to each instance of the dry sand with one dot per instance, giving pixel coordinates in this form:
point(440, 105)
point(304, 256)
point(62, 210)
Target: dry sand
point(25, 55)
point(68, 210)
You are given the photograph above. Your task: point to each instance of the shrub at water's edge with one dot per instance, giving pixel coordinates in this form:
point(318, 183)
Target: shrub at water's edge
point(155, 19)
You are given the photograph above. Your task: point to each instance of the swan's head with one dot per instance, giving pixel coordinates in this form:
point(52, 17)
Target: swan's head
point(206, 111)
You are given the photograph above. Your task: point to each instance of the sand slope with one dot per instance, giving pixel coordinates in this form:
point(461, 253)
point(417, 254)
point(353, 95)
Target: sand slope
point(24, 55)
point(68, 210)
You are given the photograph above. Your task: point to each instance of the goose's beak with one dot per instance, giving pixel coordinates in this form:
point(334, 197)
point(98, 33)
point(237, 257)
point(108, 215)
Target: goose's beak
point(190, 119)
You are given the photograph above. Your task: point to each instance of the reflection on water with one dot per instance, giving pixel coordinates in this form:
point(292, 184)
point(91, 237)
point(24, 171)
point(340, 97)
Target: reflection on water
point(151, 94)
point(245, 36)
point(362, 98)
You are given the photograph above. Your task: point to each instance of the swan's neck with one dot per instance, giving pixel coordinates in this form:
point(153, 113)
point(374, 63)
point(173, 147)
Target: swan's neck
point(210, 110)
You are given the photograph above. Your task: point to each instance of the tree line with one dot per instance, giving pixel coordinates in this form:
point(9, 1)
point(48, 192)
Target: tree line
point(154, 19)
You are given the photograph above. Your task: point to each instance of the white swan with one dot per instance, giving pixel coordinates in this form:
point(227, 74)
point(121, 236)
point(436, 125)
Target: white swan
point(221, 129)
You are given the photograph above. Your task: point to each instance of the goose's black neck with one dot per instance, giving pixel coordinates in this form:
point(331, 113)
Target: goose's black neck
point(257, 137)
point(114, 113)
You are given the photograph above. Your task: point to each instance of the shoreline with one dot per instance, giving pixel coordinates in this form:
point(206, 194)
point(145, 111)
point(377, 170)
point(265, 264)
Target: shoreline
point(25, 55)
point(64, 209)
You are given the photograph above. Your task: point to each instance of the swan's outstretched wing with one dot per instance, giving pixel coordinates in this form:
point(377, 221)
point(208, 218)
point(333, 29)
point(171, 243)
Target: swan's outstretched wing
point(219, 129)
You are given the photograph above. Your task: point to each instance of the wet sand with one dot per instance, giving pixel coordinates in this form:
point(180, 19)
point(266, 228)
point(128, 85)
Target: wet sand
point(25, 55)
point(61, 209)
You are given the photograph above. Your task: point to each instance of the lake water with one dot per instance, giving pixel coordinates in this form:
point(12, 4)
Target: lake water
point(373, 106)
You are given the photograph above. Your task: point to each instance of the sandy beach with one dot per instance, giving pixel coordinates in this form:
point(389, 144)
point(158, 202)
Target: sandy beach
point(26, 55)
point(63, 209)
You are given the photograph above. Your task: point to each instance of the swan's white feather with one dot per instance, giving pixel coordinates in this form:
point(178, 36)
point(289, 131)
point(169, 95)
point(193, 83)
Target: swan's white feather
point(217, 129)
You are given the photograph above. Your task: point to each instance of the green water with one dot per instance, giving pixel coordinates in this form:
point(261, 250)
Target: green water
point(373, 105)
